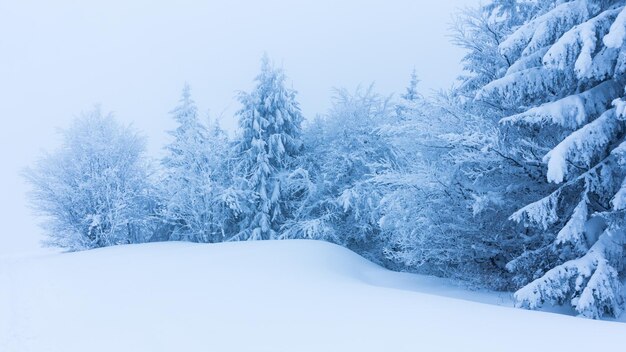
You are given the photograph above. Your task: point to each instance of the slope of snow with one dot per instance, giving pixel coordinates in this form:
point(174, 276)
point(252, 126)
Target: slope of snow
point(262, 296)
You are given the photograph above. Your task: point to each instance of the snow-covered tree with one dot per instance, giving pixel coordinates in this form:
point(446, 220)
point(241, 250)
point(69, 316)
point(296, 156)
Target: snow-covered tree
point(270, 130)
point(442, 209)
point(334, 198)
point(562, 92)
point(94, 190)
point(480, 31)
point(445, 210)
point(411, 96)
point(196, 174)
point(415, 196)
point(513, 13)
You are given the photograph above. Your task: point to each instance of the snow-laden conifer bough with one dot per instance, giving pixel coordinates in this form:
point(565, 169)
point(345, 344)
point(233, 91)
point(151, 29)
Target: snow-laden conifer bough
point(568, 76)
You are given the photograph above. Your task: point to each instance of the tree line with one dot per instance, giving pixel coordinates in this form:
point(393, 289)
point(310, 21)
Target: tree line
point(512, 180)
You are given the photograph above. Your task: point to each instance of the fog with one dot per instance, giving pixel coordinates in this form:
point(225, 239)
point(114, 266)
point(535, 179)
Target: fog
point(60, 58)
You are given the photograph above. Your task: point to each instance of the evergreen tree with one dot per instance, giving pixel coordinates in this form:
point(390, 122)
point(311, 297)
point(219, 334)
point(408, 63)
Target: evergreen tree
point(269, 122)
point(410, 97)
point(195, 177)
point(560, 92)
point(480, 31)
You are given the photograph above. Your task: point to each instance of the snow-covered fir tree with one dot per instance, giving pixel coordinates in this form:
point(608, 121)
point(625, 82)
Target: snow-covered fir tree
point(270, 137)
point(410, 97)
point(94, 191)
point(195, 177)
point(513, 13)
point(562, 92)
point(480, 31)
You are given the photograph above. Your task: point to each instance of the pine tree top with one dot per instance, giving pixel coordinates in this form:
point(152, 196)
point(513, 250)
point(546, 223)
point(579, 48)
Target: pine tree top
point(411, 91)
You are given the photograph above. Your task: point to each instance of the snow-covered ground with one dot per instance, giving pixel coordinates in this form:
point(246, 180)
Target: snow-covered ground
point(262, 296)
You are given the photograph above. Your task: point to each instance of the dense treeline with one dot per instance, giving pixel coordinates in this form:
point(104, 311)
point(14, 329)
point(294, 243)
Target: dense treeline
point(513, 180)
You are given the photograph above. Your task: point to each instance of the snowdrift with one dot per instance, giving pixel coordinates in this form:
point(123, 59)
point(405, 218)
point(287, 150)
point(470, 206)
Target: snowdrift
point(262, 296)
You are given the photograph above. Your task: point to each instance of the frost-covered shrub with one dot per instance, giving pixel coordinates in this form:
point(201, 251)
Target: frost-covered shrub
point(94, 190)
point(334, 196)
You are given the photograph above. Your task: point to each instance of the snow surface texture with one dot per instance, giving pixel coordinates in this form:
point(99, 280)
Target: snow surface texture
point(262, 296)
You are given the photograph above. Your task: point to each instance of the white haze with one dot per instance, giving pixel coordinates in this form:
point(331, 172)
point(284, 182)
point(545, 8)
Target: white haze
point(59, 58)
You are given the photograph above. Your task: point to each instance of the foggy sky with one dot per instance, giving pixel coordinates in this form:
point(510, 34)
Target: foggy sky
point(58, 58)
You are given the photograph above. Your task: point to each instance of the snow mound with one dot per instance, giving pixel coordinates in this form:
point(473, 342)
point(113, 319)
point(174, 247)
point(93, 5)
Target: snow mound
point(261, 296)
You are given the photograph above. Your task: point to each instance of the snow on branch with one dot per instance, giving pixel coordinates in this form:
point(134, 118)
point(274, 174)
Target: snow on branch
point(545, 29)
point(579, 44)
point(617, 32)
point(591, 283)
point(583, 146)
point(533, 60)
point(620, 108)
point(542, 212)
point(574, 230)
point(522, 86)
point(318, 229)
point(572, 111)
point(619, 199)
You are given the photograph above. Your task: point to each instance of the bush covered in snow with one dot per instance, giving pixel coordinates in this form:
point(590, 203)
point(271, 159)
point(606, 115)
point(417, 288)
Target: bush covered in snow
point(94, 190)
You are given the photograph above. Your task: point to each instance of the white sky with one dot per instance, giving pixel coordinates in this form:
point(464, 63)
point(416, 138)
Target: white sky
point(58, 58)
